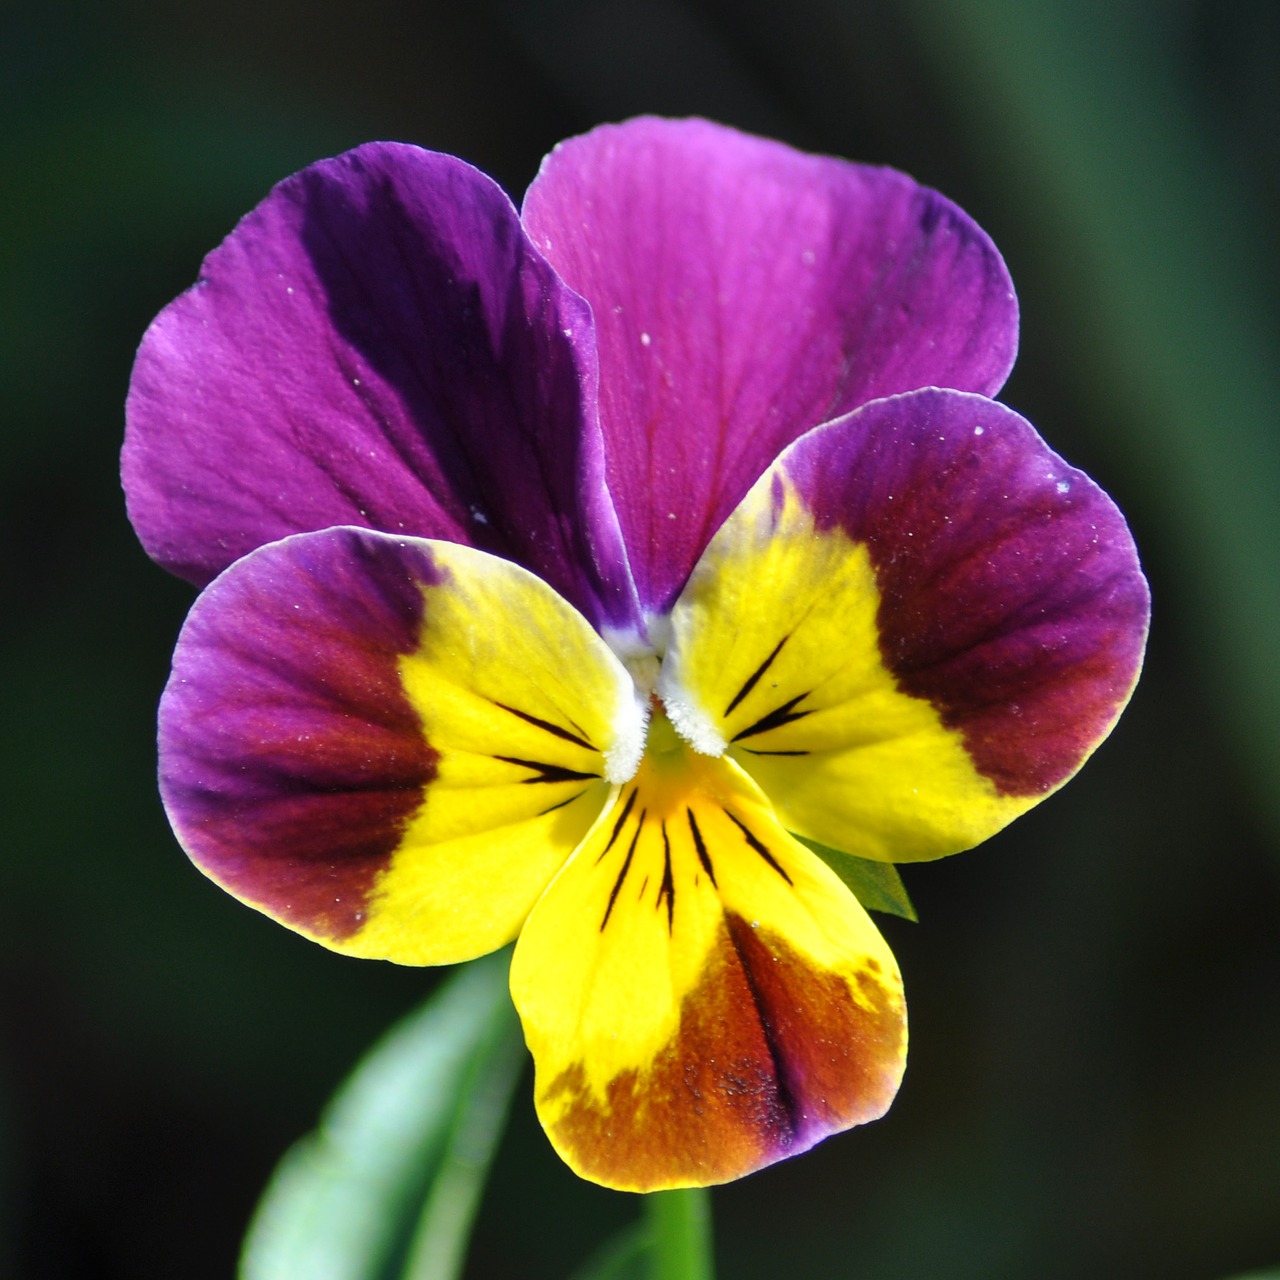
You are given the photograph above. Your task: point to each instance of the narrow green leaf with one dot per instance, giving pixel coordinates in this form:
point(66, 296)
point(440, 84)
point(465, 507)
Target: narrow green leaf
point(439, 1246)
point(877, 885)
point(343, 1203)
point(621, 1257)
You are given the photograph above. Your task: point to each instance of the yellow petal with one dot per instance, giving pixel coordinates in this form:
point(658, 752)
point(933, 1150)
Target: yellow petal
point(701, 994)
point(531, 716)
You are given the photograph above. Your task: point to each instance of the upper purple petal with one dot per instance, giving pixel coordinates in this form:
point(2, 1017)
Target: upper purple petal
point(1011, 594)
point(744, 293)
point(377, 344)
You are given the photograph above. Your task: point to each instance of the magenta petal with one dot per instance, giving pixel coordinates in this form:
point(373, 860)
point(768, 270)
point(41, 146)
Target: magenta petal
point(744, 293)
point(377, 344)
point(1011, 594)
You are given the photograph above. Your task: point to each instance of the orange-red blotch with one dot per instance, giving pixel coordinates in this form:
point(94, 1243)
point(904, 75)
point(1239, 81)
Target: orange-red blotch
point(772, 1055)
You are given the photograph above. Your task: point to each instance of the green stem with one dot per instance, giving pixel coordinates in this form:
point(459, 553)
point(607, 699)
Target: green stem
point(680, 1234)
point(440, 1242)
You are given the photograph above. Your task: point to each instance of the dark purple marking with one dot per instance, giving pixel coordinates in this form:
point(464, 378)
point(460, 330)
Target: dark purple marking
point(547, 772)
point(553, 729)
point(775, 719)
point(754, 678)
point(1011, 595)
point(758, 845)
point(701, 846)
point(551, 808)
point(667, 890)
point(290, 758)
point(626, 866)
point(617, 826)
point(377, 344)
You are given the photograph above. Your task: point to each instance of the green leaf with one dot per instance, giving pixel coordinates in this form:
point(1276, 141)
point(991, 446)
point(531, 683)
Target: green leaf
point(396, 1166)
point(877, 885)
point(622, 1257)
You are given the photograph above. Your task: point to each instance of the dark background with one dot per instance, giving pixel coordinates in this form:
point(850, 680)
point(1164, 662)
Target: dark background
point(1094, 1085)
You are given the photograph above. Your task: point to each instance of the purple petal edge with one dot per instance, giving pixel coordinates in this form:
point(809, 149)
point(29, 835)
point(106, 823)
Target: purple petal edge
point(1011, 594)
point(744, 293)
point(290, 758)
point(377, 344)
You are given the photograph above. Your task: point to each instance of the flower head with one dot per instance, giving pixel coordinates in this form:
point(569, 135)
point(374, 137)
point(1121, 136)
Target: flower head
point(564, 569)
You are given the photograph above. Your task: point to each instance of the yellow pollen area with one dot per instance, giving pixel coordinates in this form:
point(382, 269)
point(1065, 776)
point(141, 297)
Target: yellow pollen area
point(672, 774)
point(664, 745)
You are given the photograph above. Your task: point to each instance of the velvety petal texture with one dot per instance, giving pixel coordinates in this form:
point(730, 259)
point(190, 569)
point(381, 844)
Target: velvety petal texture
point(390, 745)
point(919, 623)
point(585, 576)
point(701, 994)
point(743, 293)
point(377, 344)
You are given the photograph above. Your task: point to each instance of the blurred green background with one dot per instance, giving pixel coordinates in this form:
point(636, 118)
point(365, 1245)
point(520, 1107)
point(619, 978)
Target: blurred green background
point(1094, 1087)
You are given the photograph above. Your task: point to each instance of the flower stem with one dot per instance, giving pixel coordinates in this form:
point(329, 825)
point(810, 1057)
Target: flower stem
point(681, 1236)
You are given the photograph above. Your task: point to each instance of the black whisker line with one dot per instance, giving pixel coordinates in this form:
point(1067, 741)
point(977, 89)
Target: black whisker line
point(754, 841)
point(755, 751)
point(754, 678)
point(668, 889)
point(547, 772)
point(698, 843)
point(776, 718)
point(548, 726)
point(552, 808)
point(622, 875)
point(617, 826)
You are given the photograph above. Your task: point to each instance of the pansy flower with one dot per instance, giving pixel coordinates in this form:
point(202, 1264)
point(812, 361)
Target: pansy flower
point(585, 575)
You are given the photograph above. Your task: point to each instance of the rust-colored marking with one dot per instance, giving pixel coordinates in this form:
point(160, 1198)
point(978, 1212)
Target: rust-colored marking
point(771, 1056)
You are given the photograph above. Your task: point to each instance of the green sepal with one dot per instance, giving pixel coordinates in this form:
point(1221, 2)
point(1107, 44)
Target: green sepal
point(877, 885)
point(387, 1185)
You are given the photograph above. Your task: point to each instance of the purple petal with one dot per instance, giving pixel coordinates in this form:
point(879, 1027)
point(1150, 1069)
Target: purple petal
point(1011, 595)
point(744, 293)
point(388, 744)
point(290, 757)
point(377, 344)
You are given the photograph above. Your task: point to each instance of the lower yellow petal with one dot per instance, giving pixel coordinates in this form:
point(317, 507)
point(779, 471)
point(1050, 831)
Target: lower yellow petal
point(701, 994)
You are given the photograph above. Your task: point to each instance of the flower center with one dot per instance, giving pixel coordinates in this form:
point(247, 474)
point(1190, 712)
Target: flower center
point(663, 744)
point(668, 725)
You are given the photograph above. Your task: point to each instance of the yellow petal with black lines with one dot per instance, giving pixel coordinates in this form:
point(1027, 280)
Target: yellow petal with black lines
point(701, 994)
